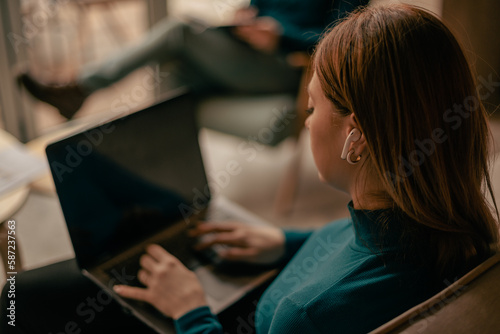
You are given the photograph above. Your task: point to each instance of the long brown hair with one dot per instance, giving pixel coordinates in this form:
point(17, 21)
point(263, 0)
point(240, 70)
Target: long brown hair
point(405, 77)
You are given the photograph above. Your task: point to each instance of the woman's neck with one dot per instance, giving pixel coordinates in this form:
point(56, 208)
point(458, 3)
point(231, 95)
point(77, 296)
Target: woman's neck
point(368, 193)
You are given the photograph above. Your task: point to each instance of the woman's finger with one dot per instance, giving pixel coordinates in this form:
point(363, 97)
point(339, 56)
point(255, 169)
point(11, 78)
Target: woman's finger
point(143, 277)
point(238, 254)
point(132, 292)
point(147, 262)
point(211, 227)
point(224, 238)
point(158, 253)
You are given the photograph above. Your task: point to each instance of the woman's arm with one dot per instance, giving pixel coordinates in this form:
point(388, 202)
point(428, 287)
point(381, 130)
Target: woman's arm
point(266, 245)
point(176, 291)
point(200, 320)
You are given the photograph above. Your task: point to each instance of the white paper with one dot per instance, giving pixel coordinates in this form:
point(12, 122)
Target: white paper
point(19, 167)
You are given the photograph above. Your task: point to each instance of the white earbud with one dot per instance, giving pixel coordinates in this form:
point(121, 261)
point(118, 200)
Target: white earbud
point(354, 135)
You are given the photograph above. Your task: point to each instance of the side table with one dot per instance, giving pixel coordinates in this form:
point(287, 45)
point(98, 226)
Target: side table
point(10, 203)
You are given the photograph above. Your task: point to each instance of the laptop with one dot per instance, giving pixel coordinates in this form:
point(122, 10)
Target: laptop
point(139, 179)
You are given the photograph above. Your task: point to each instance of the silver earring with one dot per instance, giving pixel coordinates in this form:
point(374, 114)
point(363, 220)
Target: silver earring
point(352, 162)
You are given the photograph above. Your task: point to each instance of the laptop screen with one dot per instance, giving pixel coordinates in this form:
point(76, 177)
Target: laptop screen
point(125, 180)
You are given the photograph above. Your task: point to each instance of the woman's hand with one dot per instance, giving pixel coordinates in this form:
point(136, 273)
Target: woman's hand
point(253, 244)
point(244, 16)
point(170, 287)
point(263, 34)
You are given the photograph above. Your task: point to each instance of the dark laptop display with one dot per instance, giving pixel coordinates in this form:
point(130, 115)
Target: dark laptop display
point(139, 180)
point(118, 184)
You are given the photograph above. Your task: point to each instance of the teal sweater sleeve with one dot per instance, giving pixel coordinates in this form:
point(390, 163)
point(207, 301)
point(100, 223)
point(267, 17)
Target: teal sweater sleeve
point(199, 320)
point(202, 320)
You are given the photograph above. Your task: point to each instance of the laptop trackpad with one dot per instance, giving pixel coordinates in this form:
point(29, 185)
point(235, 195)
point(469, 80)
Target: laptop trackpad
point(222, 290)
point(216, 286)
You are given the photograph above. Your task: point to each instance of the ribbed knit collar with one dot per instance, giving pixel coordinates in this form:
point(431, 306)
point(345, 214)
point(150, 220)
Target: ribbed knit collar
point(376, 231)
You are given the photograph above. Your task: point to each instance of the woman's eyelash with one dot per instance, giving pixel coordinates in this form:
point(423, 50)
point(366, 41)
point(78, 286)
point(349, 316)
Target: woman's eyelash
point(309, 111)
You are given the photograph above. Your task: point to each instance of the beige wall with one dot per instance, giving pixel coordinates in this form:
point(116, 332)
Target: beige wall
point(212, 11)
point(477, 25)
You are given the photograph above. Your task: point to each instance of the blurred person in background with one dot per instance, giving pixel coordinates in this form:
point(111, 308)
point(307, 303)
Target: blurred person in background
point(247, 57)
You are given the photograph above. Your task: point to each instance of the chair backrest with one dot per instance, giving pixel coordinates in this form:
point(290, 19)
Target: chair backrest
point(267, 119)
point(264, 118)
point(470, 305)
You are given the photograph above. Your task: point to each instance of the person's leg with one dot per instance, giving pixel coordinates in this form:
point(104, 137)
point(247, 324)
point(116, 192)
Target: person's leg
point(59, 299)
point(210, 57)
point(162, 43)
point(235, 66)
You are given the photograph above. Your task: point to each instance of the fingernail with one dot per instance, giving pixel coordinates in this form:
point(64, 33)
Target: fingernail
point(117, 288)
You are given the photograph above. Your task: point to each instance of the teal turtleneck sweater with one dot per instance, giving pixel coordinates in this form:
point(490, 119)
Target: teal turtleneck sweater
point(338, 279)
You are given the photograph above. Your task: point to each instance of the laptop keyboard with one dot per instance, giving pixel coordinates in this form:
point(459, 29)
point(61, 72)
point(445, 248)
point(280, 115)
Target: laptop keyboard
point(191, 259)
point(218, 215)
point(180, 246)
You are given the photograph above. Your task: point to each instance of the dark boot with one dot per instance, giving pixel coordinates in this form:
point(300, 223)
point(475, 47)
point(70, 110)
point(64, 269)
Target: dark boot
point(66, 98)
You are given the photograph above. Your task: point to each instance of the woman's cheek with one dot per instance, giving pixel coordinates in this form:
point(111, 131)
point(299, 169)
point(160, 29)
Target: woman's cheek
point(320, 160)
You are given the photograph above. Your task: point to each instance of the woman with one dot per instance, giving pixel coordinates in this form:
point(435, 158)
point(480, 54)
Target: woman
point(396, 122)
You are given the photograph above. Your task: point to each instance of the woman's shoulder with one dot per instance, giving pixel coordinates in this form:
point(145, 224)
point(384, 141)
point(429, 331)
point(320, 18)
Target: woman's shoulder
point(361, 300)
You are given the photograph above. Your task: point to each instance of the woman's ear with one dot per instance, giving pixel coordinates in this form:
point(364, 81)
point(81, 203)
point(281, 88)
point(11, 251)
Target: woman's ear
point(359, 145)
point(353, 136)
